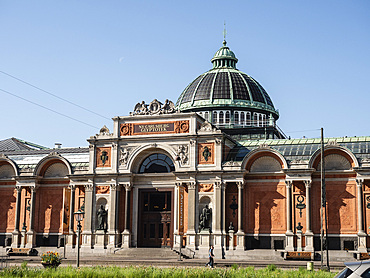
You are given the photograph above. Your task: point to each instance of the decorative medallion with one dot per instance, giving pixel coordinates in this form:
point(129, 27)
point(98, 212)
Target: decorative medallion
point(103, 157)
point(125, 129)
point(182, 127)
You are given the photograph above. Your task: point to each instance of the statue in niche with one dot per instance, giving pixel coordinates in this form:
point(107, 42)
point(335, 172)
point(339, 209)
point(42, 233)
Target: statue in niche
point(102, 218)
point(204, 219)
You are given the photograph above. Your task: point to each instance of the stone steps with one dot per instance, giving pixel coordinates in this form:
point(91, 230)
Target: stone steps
point(146, 253)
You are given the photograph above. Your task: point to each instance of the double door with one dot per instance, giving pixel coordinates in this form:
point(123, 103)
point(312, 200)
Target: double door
point(155, 222)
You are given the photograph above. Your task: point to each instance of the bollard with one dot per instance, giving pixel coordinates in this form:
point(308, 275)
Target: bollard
point(310, 266)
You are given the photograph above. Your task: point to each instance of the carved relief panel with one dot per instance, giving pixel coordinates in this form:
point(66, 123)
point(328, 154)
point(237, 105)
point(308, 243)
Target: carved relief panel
point(205, 187)
point(206, 153)
point(103, 157)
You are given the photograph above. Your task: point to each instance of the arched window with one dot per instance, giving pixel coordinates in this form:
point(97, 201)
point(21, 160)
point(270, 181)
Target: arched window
point(242, 120)
point(255, 119)
point(227, 117)
point(221, 119)
point(206, 116)
point(260, 120)
point(264, 122)
point(214, 118)
point(249, 119)
point(236, 117)
point(157, 163)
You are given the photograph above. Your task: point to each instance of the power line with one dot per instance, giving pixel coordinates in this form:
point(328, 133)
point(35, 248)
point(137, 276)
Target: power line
point(42, 90)
point(34, 103)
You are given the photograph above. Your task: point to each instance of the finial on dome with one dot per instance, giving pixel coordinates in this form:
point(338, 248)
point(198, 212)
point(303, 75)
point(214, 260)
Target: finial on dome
point(224, 42)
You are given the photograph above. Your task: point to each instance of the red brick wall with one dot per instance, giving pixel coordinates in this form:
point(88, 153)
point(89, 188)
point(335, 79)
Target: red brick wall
point(7, 209)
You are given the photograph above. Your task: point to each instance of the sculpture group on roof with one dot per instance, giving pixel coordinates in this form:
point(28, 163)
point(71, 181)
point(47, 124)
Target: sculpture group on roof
point(154, 108)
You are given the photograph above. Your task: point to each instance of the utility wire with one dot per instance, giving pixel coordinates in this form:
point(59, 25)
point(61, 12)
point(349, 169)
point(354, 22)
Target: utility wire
point(14, 95)
point(42, 90)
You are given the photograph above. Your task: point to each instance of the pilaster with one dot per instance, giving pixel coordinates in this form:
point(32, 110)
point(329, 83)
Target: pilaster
point(309, 233)
point(217, 234)
point(126, 235)
point(240, 236)
point(71, 215)
point(87, 236)
point(289, 236)
point(113, 238)
point(15, 233)
point(361, 233)
point(31, 234)
point(191, 233)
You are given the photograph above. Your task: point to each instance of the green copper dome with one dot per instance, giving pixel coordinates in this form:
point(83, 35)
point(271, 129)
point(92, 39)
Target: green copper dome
point(225, 87)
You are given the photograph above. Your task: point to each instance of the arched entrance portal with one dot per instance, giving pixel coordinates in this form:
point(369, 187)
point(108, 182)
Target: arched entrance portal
point(155, 226)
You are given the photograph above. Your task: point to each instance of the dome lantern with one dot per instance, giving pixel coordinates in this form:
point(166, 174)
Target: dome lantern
point(224, 58)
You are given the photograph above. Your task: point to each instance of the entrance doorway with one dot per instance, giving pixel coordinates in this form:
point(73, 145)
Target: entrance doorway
point(155, 219)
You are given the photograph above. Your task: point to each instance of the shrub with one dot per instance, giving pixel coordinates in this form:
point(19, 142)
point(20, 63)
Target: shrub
point(51, 258)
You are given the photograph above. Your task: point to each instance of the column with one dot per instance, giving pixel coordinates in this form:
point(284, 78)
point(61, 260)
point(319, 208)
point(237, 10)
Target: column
point(289, 236)
point(360, 212)
point(31, 235)
point(87, 240)
point(15, 234)
point(113, 215)
point(240, 236)
point(309, 233)
point(72, 187)
point(126, 235)
point(191, 233)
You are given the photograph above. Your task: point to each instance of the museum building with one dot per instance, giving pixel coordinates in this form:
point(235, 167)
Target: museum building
point(214, 168)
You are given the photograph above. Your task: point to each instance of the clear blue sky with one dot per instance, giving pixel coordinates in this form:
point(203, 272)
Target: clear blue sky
point(312, 57)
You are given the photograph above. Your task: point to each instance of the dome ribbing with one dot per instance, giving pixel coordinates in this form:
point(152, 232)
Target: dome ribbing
point(225, 86)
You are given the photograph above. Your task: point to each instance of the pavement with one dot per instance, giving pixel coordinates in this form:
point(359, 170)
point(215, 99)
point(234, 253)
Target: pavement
point(88, 260)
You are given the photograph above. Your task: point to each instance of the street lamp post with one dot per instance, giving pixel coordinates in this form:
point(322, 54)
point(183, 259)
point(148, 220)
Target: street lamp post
point(79, 215)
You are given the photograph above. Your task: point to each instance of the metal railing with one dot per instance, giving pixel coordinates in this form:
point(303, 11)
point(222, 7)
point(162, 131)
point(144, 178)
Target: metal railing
point(245, 124)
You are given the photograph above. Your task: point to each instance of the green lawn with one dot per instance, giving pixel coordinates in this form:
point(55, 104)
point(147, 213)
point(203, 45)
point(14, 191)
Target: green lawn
point(137, 272)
